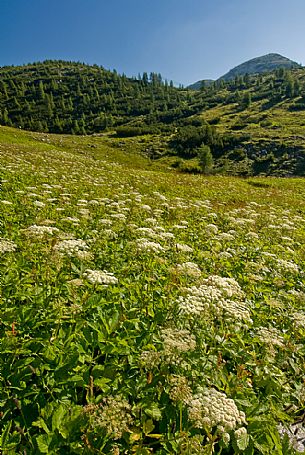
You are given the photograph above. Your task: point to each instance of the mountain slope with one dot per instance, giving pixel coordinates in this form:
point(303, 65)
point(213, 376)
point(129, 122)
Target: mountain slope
point(67, 97)
point(203, 83)
point(258, 65)
point(252, 124)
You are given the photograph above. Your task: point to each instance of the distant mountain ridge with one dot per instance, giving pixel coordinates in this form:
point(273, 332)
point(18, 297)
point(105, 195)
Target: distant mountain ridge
point(257, 65)
point(199, 84)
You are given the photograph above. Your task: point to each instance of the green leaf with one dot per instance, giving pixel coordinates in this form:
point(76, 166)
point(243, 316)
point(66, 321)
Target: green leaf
point(40, 423)
point(43, 442)
point(101, 383)
point(154, 411)
point(57, 417)
point(148, 426)
point(5, 433)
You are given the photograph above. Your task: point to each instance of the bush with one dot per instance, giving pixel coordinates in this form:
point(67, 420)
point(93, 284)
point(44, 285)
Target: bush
point(190, 167)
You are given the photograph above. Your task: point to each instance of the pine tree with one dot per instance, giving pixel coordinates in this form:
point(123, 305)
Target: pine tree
point(205, 158)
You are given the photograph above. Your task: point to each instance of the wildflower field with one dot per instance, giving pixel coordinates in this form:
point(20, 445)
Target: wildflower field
point(144, 311)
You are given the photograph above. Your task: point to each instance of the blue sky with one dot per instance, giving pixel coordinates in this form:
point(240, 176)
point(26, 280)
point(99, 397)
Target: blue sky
point(184, 40)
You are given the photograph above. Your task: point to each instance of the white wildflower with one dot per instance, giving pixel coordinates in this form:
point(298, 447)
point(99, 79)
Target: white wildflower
point(189, 269)
point(71, 247)
point(298, 318)
point(146, 207)
point(100, 277)
point(210, 408)
point(296, 435)
point(105, 222)
point(225, 236)
point(4, 202)
point(118, 216)
point(184, 248)
point(150, 359)
point(73, 219)
point(145, 245)
point(211, 228)
point(180, 391)
point(39, 204)
point(113, 414)
point(225, 255)
point(180, 340)
point(7, 246)
point(214, 297)
point(42, 230)
point(287, 266)
point(270, 336)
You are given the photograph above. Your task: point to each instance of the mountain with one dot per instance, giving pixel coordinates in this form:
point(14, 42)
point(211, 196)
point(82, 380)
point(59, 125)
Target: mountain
point(252, 125)
point(68, 97)
point(258, 65)
point(198, 85)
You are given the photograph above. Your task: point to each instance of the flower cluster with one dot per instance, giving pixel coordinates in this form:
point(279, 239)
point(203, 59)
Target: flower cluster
point(150, 359)
point(287, 266)
point(177, 340)
point(228, 286)
point(214, 297)
point(296, 435)
point(113, 414)
point(145, 245)
point(42, 230)
point(100, 277)
point(209, 409)
point(180, 391)
point(189, 269)
point(184, 248)
point(72, 247)
point(298, 319)
point(270, 336)
point(7, 246)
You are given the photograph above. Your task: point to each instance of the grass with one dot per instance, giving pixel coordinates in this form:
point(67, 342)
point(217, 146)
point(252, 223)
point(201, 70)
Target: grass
point(132, 294)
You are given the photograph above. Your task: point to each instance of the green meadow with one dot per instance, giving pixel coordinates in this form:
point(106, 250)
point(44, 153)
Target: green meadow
point(143, 310)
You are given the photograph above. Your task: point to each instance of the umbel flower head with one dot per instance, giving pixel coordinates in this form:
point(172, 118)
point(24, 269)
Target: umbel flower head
point(180, 390)
point(71, 247)
point(215, 296)
point(178, 340)
point(212, 410)
point(6, 246)
point(100, 277)
point(113, 414)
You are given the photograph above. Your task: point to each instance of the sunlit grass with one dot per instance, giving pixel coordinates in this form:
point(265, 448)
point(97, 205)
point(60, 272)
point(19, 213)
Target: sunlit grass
point(133, 295)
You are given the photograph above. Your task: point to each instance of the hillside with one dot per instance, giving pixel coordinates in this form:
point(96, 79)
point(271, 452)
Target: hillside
point(68, 97)
point(200, 84)
point(258, 65)
point(145, 311)
point(253, 124)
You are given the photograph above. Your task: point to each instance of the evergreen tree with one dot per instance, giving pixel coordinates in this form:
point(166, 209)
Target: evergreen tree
point(205, 158)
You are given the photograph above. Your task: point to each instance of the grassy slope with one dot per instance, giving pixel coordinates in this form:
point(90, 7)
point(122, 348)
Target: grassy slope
point(66, 343)
point(127, 153)
point(285, 125)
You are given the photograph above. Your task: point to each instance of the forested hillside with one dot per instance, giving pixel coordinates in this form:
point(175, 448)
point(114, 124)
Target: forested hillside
point(69, 97)
point(252, 124)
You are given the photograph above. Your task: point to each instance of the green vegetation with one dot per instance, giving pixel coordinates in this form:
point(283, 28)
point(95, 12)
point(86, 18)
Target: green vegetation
point(259, 65)
point(144, 310)
point(67, 97)
point(253, 124)
point(205, 158)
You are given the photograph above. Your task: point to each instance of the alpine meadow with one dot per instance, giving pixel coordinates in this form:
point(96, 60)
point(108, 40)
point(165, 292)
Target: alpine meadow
point(152, 295)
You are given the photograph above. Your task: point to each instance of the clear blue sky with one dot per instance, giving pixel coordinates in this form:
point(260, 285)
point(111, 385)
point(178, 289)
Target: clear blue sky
point(184, 40)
